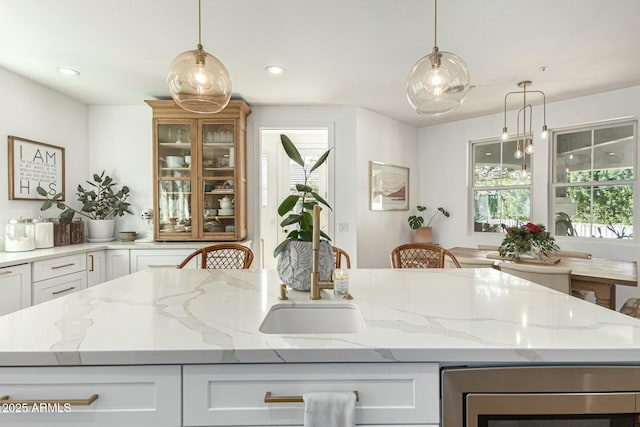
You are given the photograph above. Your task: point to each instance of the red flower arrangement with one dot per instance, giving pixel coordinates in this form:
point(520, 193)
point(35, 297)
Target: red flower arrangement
point(527, 238)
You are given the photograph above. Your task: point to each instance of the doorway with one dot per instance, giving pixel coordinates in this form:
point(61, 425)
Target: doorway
point(278, 176)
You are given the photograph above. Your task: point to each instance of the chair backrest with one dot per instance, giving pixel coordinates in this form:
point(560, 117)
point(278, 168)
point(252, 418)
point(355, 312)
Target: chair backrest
point(573, 254)
point(338, 254)
point(421, 255)
point(558, 278)
point(476, 262)
point(488, 247)
point(222, 256)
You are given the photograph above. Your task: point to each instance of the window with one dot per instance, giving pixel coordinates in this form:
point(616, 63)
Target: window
point(501, 186)
point(595, 181)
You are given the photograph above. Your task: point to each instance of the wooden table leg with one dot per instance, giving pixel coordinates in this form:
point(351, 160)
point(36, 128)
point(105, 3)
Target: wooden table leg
point(605, 293)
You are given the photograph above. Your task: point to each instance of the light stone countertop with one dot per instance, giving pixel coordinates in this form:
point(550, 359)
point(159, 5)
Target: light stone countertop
point(169, 316)
point(15, 258)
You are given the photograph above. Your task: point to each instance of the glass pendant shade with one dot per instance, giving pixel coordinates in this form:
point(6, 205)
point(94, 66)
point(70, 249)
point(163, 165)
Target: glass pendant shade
point(438, 83)
point(199, 82)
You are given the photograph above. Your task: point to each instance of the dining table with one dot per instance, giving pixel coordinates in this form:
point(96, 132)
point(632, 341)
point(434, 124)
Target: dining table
point(598, 275)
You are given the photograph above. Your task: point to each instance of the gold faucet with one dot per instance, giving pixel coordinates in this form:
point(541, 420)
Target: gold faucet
point(316, 284)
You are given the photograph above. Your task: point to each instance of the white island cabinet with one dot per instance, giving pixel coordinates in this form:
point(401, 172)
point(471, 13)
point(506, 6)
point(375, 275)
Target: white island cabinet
point(201, 330)
point(234, 395)
point(123, 396)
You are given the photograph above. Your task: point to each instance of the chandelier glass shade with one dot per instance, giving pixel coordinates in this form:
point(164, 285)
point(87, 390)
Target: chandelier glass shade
point(198, 81)
point(438, 82)
point(524, 139)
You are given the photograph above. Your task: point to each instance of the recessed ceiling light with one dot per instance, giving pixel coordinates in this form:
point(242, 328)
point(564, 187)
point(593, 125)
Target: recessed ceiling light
point(275, 69)
point(487, 154)
point(68, 71)
point(611, 153)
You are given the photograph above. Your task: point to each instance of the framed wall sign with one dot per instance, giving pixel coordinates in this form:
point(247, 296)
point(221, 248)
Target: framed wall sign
point(389, 187)
point(33, 164)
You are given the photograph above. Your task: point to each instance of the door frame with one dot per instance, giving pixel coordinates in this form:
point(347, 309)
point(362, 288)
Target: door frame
point(257, 154)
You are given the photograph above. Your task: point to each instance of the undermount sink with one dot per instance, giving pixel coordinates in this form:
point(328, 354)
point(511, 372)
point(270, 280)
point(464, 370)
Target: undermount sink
point(344, 318)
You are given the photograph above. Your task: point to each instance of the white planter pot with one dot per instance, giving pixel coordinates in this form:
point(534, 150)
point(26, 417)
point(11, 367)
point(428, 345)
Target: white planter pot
point(295, 264)
point(101, 229)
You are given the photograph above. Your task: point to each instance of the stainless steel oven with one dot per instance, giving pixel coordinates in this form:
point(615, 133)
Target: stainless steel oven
point(541, 396)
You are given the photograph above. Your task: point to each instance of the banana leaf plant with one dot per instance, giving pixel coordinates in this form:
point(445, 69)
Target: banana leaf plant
point(299, 207)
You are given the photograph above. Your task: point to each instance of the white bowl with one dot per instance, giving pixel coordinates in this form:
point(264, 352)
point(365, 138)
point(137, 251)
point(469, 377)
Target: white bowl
point(175, 161)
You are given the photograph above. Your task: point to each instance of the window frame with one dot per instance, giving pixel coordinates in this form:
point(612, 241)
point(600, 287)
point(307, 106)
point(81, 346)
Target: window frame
point(592, 127)
point(472, 182)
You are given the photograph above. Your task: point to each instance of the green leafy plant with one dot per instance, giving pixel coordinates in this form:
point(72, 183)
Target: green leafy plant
point(299, 207)
point(101, 202)
point(526, 238)
point(416, 221)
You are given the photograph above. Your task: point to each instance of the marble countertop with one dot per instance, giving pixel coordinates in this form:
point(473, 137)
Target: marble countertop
point(169, 316)
point(15, 258)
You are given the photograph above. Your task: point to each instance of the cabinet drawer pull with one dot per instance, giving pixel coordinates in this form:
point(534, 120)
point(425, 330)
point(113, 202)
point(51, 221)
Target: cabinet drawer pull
point(64, 290)
point(55, 267)
point(2, 273)
point(91, 258)
point(73, 402)
point(269, 398)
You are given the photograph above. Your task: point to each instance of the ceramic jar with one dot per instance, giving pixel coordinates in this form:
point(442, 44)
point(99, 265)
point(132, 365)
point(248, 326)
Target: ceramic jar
point(19, 236)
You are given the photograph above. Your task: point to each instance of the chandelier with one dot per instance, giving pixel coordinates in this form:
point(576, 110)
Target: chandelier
point(524, 140)
point(198, 81)
point(439, 81)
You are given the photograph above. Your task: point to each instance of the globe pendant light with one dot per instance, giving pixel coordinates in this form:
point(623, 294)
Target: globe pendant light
point(438, 82)
point(198, 81)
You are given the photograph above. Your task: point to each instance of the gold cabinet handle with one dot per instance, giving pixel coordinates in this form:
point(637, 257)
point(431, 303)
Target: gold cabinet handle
point(55, 267)
point(73, 402)
point(91, 258)
point(2, 273)
point(269, 398)
point(64, 290)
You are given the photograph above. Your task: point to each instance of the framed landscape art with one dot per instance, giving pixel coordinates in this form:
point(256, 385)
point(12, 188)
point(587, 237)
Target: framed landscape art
point(389, 187)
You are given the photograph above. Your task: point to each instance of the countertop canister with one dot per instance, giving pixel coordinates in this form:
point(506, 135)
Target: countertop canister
point(19, 236)
point(43, 233)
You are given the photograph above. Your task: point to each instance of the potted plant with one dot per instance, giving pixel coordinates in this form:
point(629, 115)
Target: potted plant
point(528, 240)
point(101, 203)
point(295, 252)
point(424, 234)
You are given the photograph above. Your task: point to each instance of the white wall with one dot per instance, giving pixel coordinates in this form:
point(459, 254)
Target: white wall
point(120, 143)
point(381, 139)
point(32, 111)
point(443, 155)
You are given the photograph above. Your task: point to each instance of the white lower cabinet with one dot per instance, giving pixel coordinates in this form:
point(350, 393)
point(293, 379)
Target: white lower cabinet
point(96, 269)
point(126, 396)
point(57, 287)
point(15, 288)
point(233, 395)
point(57, 277)
point(117, 263)
point(141, 259)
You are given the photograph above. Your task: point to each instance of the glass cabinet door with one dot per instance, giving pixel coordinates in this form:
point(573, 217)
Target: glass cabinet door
point(218, 172)
point(174, 175)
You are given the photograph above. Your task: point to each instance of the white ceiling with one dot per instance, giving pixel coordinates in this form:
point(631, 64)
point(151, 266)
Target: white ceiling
point(336, 52)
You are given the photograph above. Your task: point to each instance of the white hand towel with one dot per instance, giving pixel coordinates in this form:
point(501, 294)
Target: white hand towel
point(329, 409)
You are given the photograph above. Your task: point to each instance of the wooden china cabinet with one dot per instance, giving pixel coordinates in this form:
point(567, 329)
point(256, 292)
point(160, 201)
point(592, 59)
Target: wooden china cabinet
point(199, 173)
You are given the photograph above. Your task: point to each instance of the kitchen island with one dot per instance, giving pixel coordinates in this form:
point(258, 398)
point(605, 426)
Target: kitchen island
point(203, 325)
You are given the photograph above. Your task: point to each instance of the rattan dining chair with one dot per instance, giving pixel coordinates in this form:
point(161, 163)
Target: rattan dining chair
point(226, 256)
point(338, 254)
point(421, 255)
point(558, 278)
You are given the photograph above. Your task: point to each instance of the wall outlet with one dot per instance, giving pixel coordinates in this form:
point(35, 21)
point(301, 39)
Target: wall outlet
point(343, 227)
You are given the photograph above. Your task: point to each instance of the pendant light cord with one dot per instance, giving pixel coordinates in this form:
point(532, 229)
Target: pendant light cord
point(199, 25)
point(435, 24)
